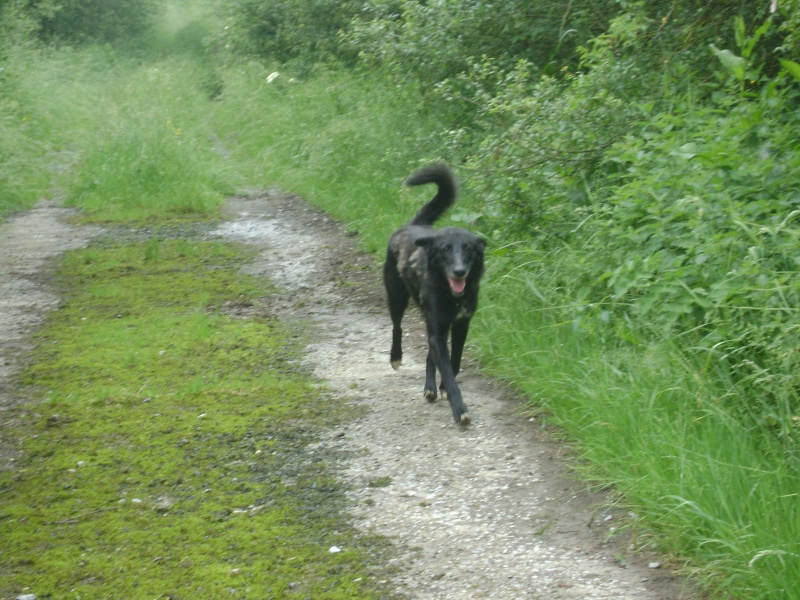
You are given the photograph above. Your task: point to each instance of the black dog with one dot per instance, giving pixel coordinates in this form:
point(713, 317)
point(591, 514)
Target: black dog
point(440, 269)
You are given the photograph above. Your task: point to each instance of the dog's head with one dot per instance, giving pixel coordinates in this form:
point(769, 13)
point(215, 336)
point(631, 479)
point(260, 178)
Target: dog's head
point(457, 254)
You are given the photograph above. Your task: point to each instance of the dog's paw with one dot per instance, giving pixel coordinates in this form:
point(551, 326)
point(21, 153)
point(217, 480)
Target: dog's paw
point(465, 420)
point(396, 364)
point(443, 394)
point(429, 395)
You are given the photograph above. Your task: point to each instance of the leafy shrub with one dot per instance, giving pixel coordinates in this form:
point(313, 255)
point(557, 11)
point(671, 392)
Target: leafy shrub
point(285, 30)
point(681, 211)
point(428, 42)
point(88, 21)
point(703, 233)
point(541, 140)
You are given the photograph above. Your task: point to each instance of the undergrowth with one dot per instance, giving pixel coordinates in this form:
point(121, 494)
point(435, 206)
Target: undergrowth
point(659, 425)
point(168, 455)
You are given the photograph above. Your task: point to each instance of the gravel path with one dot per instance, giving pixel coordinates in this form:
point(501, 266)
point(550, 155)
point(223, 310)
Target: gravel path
point(483, 512)
point(488, 511)
point(29, 244)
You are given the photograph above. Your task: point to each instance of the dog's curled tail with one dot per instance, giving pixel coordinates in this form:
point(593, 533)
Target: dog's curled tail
point(444, 198)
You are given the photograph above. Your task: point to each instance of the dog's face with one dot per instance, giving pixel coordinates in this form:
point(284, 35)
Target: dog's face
point(457, 254)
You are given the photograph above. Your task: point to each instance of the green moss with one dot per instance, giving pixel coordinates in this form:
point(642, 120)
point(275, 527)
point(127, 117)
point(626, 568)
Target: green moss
point(169, 456)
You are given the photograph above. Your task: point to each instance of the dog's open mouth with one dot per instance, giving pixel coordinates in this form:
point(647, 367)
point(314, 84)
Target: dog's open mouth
point(457, 285)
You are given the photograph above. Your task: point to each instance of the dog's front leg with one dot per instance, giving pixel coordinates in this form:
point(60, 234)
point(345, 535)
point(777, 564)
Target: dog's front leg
point(460, 329)
point(437, 341)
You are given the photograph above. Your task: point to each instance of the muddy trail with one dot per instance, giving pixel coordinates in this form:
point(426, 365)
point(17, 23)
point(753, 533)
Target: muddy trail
point(487, 511)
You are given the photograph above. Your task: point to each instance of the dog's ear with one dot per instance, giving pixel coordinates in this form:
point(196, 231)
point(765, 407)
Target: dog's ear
point(423, 241)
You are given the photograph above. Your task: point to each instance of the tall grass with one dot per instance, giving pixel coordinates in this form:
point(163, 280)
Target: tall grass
point(118, 137)
point(340, 140)
point(646, 417)
point(152, 151)
point(653, 422)
point(46, 97)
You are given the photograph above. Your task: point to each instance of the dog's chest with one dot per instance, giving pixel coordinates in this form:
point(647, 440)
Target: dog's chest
point(462, 312)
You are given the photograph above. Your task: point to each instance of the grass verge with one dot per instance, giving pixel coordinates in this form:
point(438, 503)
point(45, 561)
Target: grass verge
point(716, 493)
point(169, 455)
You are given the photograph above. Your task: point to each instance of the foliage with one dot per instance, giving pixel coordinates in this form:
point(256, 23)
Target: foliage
point(790, 26)
point(702, 233)
point(45, 98)
point(324, 138)
point(681, 210)
point(286, 30)
point(651, 419)
point(428, 42)
point(19, 20)
point(542, 140)
point(634, 163)
point(22, 175)
point(93, 21)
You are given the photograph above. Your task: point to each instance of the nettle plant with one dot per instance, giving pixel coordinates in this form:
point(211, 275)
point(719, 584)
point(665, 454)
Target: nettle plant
point(704, 228)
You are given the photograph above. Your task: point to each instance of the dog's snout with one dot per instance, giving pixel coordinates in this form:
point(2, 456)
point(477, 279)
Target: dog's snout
point(459, 272)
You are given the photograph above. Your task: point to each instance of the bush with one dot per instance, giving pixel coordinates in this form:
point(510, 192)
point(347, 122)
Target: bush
point(428, 42)
point(541, 140)
point(702, 234)
point(92, 21)
point(285, 30)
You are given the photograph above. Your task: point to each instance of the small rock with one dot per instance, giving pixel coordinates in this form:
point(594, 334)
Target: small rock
point(163, 504)
point(335, 550)
point(654, 565)
point(26, 597)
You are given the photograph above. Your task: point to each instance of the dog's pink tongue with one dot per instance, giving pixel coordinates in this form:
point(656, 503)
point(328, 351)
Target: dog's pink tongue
point(457, 285)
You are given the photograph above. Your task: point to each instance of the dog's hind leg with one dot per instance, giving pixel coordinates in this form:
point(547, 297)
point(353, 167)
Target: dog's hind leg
point(460, 329)
point(398, 298)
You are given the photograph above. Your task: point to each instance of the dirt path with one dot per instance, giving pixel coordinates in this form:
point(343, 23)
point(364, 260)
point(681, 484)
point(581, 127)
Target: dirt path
point(29, 243)
point(483, 512)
